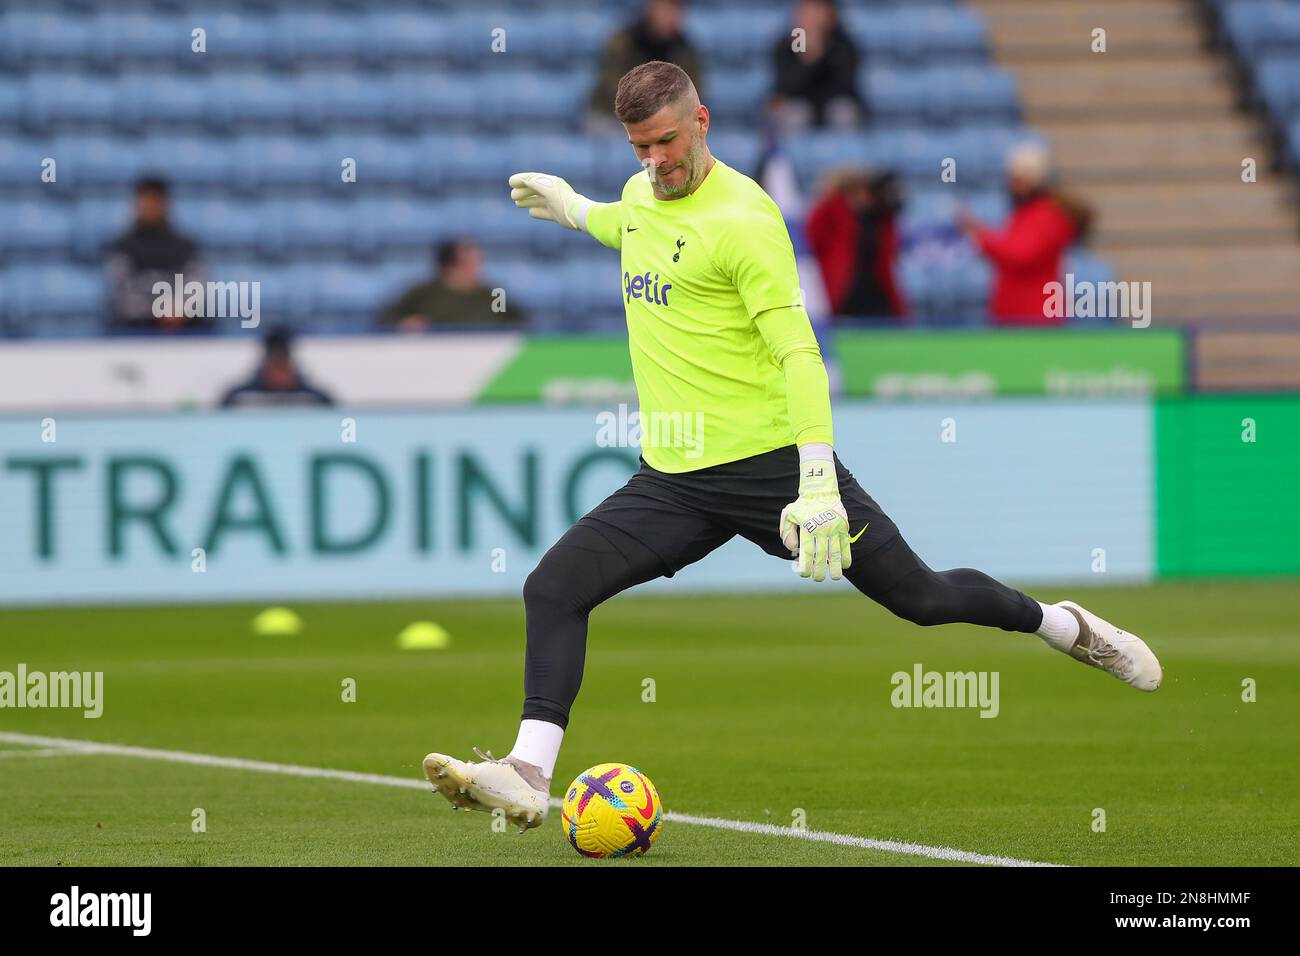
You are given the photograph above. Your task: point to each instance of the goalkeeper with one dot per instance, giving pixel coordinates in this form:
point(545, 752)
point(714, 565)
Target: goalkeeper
point(736, 440)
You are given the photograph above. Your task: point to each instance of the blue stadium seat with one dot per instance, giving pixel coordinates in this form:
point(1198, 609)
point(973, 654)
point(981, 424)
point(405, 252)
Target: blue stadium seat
point(33, 226)
point(548, 151)
point(261, 162)
point(535, 286)
point(13, 99)
point(404, 223)
point(56, 293)
point(380, 160)
point(946, 95)
point(1259, 29)
point(406, 35)
point(311, 227)
point(97, 160)
point(315, 35)
point(927, 210)
point(224, 224)
point(71, 100)
point(738, 93)
point(97, 222)
point(1278, 81)
point(592, 285)
point(340, 99)
point(193, 160)
point(233, 35)
point(523, 100)
point(539, 38)
point(20, 161)
point(917, 34)
point(818, 151)
point(253, 97)
point(157, 99)
point(429, 98)
point(739, 149)
point(45, 38)
point(341, 290)
point(492, 221)
point(463, 159)
point(736, 37)
point(139, 37)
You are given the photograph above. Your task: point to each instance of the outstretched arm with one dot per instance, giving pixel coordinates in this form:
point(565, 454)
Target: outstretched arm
point(551, 198)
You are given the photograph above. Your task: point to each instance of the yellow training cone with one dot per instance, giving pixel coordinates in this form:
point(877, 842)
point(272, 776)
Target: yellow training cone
point(423, 636)
point(277, 621)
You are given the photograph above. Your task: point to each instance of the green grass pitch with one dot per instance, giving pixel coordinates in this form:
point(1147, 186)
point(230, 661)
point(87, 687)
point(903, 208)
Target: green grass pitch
point(764, 706)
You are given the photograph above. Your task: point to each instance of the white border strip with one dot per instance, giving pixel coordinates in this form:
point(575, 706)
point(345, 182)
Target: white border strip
point(946, 854)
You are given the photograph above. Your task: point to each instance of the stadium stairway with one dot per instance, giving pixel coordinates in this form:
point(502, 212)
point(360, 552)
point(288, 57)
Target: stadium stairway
point(1151, 135)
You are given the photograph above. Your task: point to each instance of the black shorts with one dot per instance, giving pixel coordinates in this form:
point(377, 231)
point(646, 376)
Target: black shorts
point(683, 517)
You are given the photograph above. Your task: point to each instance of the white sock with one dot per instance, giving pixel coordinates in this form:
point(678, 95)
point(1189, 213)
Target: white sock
point(1060, 628)
point(538, 743)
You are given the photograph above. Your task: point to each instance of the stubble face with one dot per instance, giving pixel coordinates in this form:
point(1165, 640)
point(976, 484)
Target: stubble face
point(673, 150)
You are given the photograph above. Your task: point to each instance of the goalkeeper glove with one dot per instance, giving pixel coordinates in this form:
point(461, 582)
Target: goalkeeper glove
point(550, 197)
point(816, 524)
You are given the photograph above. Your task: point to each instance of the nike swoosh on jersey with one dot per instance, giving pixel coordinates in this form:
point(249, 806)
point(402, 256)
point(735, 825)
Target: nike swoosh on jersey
point(860, 533)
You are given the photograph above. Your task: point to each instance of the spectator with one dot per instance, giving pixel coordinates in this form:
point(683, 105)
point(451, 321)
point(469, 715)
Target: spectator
point(656, 35)
point(277, 381)
point(816, 71)
point(1026, 254)
point(853, 233)
point(150, 251)
point(457, 297)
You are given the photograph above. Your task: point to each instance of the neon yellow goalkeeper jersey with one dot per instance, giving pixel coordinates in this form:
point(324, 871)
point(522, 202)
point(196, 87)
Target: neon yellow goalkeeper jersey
point(696, 271)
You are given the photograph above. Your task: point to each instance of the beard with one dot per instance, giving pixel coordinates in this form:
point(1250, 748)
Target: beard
point(693, 164)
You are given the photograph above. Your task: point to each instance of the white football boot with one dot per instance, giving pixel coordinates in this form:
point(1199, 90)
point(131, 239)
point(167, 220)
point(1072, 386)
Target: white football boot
point(508, 784)
point(1102, 645)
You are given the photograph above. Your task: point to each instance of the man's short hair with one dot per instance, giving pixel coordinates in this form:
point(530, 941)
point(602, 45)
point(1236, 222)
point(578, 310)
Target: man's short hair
point(449, 251)
point(645, 90)
point(278, 341)
point(151, 184)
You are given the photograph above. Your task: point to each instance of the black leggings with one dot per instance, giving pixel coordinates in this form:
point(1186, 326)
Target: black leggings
point(591, 564)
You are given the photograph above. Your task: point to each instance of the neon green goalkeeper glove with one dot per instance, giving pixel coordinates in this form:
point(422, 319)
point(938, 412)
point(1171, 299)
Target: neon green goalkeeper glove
point(816, 524)
point(551, 198)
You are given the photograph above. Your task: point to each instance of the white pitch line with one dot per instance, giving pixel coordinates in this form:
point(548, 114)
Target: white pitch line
point(944, 853)
point(50, 752)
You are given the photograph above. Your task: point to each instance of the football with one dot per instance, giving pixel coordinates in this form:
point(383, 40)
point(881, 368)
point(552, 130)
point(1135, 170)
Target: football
point(612, 810)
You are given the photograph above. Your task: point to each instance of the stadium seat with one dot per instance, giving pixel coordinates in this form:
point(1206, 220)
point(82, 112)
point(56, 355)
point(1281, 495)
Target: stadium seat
point(261, 162)
point(69, 100)
point(380, 160)
point(56, 293)
point(157, 99)
point(35, 227)
point(87, 161)
point(247, 97)
point(46, 38)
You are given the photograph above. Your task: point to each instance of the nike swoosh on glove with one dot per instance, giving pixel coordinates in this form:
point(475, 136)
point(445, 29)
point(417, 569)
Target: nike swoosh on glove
point(816, 524)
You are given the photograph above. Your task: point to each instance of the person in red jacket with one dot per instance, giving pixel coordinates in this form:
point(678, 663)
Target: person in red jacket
point(1026, 253)
point(854, 235)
